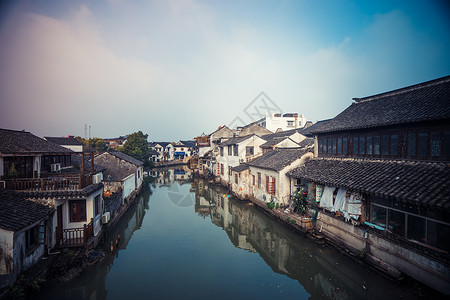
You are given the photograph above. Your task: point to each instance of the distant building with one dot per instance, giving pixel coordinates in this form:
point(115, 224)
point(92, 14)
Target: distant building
point(276, 122)
point(115, 142)
point(69, 142)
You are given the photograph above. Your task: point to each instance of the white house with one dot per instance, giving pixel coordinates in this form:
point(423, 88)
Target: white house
point(39, 165)
point(121, 172)
point(236, 151)
point(268, 179)
point(277, 122)
point(69, 142)
point(164, 150)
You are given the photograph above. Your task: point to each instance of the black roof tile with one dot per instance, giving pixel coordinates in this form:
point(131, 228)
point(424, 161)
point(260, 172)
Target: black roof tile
point(421, 102)
point(278, 159)
point(402, 180)
point(23, 142)
point(17, 213)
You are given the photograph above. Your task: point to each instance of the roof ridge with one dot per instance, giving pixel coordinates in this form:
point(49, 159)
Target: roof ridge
point(403, 90)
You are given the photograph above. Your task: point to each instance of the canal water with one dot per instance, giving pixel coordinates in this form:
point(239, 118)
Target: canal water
point(188, 239)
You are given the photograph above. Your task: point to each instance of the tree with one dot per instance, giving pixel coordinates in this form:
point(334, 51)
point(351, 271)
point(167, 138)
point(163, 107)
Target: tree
point(137, 146)
point(97, 144)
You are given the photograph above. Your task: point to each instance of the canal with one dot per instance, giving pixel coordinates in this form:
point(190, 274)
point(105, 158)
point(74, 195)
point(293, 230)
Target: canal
point(188, 239)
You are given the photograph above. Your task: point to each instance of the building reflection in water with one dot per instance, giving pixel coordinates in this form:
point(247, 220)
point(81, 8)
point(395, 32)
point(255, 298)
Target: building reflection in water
point(320, 270)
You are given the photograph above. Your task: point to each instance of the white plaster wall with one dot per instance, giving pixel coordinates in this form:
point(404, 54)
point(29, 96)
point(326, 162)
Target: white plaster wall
point(128, 185)
point(140, 178)
point(76, 148)
point(6, 244)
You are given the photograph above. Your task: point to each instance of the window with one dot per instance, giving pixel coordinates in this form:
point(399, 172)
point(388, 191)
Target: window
point(97, 205)
point(394, 144)
point(411, 144)
point(320, 145)
point(438, 235)
point(344, 145)
point(376, 145)
point(339, 146)
point(355, 145)
point(324, 146)
point(385, 144)
point(379, 216)
point(229, 171)
point(290, 123)
point(273, 186)
point(221, 151)
point(329, 145)
point(369, 147)
point(236, 178)
point(221, 169)
point(31, 237)
point(77, 210)
point(259, 179)
point(416, 228)
point(249, 151)
point(396, 222)
point(435, 144)
point(333, 141)
point(235, 150)
point(267, 185)
point(422, 144)
point(446, 144)
point(230, 150)
point(362, 145)
point(253, 179)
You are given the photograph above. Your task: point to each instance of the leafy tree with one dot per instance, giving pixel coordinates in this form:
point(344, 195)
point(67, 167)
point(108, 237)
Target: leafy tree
point(97, 144)
point(137, 146)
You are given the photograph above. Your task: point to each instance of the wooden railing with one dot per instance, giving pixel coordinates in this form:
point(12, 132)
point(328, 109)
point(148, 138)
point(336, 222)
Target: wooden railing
point(53, 183)
point(75, 236)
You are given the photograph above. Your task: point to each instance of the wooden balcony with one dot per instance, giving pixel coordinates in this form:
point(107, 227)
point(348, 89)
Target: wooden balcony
point(75, 237)
point(62, 182)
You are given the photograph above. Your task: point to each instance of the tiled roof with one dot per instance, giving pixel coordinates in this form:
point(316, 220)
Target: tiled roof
point(425, 183)
point(23, 142)
point(17, 213)
point(236, 140)
point(76, 161)
point(286, 133)
point(127, 158)
point(278, 159)
point(69, 141)
point(62, 194)
point(306, 143)
point(114, 171)
point(274, 141)
point(421, 102)
point(240, 168)
point(188, 143)
point(309, 131)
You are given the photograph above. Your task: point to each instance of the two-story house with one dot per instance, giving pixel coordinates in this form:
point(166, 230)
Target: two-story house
point(43, 172)
point(381, 179)
point(236, 151)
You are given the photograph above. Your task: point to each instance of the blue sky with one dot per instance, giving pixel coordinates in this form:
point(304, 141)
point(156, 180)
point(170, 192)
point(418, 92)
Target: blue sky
point(175, 69)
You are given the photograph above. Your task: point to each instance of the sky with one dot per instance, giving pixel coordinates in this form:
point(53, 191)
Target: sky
point(175, 69)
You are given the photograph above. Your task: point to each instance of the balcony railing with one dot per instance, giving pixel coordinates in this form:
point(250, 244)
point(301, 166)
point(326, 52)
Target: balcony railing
point(75, 236)
point(53, 183)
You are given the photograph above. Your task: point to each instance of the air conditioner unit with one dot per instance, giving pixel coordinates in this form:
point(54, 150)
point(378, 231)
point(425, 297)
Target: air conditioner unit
point(105, 217)
point(97, 178)
point(55, 167)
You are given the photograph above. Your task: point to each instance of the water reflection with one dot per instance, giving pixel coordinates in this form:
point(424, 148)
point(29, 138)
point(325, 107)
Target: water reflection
point(322, 271)
point(177, 255)
point(92, 283)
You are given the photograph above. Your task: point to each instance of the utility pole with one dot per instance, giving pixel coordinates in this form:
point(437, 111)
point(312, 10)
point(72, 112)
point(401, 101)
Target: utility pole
point(89, 131)
point(85, 131)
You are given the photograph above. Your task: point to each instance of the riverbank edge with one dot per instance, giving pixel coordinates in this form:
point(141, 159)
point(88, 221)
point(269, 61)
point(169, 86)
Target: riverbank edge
point(72, 262)
point(375, 264)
